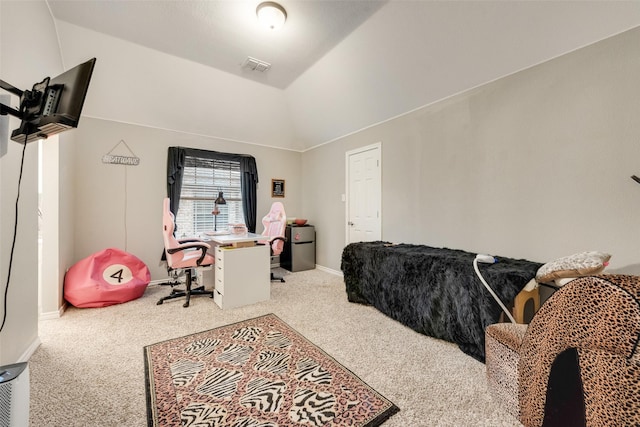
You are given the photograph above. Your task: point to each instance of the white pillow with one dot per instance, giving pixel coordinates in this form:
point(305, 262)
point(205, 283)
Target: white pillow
point(576, 265)
point(563, 281)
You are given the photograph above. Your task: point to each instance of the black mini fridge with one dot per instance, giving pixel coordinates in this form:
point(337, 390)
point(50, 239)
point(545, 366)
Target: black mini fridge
point(299, 251)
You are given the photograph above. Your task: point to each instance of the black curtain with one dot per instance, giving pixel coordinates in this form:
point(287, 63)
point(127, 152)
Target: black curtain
point(248, 178)
point(175, 163)
point(248, 183)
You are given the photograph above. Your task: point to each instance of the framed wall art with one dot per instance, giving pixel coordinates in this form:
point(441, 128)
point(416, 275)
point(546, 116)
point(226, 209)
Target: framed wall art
point(277, 188)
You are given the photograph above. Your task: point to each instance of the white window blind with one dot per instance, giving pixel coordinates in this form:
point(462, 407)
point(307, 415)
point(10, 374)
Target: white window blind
point(202, 180)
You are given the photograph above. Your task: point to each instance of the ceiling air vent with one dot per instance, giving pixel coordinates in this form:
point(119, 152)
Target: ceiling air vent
point(254, 64)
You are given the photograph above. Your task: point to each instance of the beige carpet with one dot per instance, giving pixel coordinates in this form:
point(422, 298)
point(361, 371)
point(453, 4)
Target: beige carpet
point(89, 369)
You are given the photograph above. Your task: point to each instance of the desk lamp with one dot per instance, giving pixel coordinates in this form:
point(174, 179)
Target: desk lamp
point(215, 212)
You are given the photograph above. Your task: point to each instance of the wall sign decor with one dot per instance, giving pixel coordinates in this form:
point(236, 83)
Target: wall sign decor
point(115, 159)
point(277, 188)
point(126, 160)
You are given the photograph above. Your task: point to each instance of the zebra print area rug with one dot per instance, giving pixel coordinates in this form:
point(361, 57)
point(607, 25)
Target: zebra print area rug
point(255, 373)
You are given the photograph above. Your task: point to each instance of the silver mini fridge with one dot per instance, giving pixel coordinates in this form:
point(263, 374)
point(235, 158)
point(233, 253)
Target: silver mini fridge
point(299, 251)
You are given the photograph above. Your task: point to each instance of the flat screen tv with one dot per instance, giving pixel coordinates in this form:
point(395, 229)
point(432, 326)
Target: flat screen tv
point(53, 105)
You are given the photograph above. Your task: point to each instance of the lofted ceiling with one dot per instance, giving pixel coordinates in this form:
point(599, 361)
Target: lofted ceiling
point(222, 34)
point(337, 66)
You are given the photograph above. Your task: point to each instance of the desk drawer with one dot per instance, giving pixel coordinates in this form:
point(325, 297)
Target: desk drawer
point(219, 279)
point(217, 298)
point(219, 256)
point(219, 269)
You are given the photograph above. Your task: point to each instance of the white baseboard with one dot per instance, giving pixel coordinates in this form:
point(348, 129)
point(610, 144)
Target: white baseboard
point(30, 350)
point(329, 270)
point(53, 314)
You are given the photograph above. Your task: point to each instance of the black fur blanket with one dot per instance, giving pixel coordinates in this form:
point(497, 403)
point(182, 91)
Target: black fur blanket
point(434, 291)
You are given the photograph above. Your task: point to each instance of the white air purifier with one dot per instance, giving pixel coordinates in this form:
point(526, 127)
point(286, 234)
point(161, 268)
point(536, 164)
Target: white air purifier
point(14, 395)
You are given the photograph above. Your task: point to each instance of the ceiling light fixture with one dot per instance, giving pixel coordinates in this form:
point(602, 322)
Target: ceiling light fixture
point(271, 15)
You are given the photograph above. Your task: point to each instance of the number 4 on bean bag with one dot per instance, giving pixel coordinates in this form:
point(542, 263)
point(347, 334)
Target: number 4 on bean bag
point(104, 278)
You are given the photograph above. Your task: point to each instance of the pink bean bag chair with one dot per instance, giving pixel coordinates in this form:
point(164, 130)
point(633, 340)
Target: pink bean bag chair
point(108, 277)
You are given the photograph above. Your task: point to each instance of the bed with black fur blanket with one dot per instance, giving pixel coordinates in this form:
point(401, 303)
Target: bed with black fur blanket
point(434, 291)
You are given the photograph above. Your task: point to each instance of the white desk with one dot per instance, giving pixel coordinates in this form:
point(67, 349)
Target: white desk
point(234, 239)
point(241, 269)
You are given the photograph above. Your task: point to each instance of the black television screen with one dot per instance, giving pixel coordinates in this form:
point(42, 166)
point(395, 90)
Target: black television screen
point(54, 105)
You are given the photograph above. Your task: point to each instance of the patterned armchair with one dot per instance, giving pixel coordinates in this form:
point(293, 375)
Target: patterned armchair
point(578, 362)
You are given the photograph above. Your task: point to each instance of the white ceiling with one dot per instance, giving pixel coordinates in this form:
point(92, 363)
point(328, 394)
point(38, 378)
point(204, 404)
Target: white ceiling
point(222, 34)
point(338, 66)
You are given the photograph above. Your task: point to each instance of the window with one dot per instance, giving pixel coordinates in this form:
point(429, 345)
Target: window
point(194, 179)
point(202, 180)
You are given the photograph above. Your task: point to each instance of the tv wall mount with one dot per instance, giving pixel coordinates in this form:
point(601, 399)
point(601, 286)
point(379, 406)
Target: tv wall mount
point(52, 105)
point(32, 104)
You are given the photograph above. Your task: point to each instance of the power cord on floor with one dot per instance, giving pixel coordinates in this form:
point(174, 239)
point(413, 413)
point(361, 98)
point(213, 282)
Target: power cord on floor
point(15, 232)
point(488, 259)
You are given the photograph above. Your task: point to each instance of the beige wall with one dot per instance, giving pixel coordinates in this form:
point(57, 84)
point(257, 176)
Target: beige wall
point(535, 165)
point(58, 219)
point(66, 208)
point(100, 190)
point(135, 84)
point(26, 57)
point(413, 53)
point(51, 274)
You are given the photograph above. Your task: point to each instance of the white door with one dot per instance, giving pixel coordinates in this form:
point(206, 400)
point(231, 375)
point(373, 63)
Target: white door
point(364, 194)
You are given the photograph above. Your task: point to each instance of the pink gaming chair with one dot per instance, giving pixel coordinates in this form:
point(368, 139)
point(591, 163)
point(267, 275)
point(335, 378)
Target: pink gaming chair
point(275, 223)
point(183, 254)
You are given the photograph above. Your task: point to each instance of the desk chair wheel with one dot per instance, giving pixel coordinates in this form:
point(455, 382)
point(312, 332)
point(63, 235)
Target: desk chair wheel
point(274, 278)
